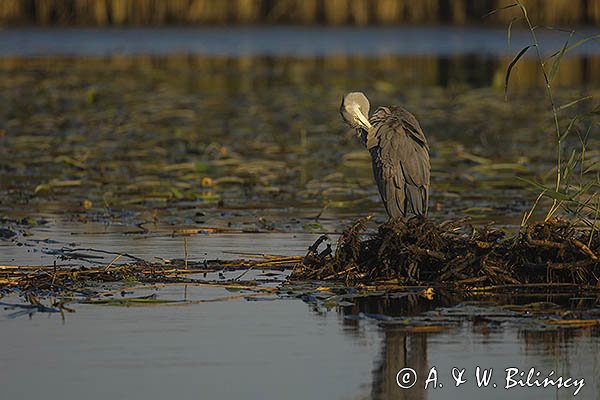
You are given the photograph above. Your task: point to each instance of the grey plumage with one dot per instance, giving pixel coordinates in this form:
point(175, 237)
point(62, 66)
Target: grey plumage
point(399, 153)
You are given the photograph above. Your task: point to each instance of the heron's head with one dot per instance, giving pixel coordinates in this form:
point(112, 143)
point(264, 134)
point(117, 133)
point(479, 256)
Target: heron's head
point(355, 110)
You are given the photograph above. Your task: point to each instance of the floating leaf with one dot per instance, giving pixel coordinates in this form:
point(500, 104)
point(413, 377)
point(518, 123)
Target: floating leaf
point(57, 184)
point(177, 193)
point(202, 166)
point(131, 301)
point(573, 322)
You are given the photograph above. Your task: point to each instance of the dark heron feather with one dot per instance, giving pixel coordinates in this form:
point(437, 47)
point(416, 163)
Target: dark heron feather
point(399, 153)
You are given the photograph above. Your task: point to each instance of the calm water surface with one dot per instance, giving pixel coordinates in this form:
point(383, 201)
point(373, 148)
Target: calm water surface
point(277, 41)
point(280, 349)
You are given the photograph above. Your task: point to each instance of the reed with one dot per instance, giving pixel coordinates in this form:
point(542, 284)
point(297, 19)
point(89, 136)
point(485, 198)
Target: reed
point(307, 11)
point(331, 12)
point(388, 11)
point(574, 189)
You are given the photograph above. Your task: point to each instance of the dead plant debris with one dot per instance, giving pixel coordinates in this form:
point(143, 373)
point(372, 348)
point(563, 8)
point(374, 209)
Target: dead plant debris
point(400, 254)
point(418, 251)
point(39, 279)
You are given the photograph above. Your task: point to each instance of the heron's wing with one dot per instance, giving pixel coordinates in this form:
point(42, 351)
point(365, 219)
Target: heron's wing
point(401, 167)
point(389, 183)
point(410, 125)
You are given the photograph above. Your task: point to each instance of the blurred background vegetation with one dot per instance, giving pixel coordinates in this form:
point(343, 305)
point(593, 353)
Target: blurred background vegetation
point(328, 12)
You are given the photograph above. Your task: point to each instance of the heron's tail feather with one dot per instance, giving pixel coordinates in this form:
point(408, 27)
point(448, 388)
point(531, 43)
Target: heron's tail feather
point(396, 201)
point(416, 200)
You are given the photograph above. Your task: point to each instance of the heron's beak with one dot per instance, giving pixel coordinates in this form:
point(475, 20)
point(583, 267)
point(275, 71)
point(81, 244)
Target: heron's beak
point(362, 120)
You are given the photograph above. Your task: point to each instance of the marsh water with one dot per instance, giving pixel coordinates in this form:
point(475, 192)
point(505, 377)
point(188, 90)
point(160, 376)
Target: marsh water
point(224, 142)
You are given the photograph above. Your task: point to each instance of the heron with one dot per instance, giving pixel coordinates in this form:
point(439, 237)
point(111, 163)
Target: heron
point(399, 153)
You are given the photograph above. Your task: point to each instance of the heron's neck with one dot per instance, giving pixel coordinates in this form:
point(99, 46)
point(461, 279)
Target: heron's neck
point(362, 134)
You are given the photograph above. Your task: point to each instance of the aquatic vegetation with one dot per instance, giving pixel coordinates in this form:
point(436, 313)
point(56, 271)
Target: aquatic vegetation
point(217, 141)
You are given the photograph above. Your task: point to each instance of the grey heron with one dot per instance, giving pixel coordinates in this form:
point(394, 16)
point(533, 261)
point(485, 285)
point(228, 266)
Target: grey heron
point(399, 153)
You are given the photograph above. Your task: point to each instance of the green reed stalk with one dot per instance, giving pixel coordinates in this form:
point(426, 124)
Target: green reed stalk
point(560, 198)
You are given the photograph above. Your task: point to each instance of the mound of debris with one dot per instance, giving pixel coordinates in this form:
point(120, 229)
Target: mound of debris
point(419, 251)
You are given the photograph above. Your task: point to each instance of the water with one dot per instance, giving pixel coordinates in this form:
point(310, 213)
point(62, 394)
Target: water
point(117, 140)
point(40, 247)
point(267, 349)
point(279, 41)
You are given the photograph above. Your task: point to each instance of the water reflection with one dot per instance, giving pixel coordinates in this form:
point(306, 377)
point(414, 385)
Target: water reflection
point(400, 351)
point(354, 353)
point(284, 41)
point(498, 333)
point(201, 72)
